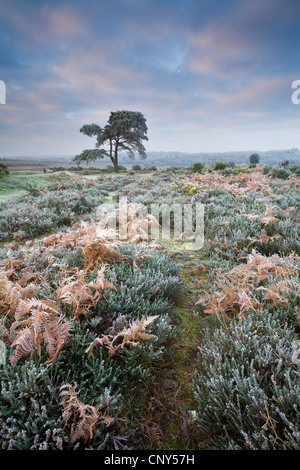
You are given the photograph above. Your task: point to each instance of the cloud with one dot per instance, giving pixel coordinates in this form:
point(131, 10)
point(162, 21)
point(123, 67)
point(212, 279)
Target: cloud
point(41, 22)
point(64, 22)
point(194, 68)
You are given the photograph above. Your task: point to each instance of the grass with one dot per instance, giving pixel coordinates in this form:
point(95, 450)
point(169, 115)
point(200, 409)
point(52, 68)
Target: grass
point(9, 189)
point(172, 408)
point(8, 185)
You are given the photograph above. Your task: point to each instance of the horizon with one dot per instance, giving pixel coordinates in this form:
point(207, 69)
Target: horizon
point(209, 77)
point(295, 149)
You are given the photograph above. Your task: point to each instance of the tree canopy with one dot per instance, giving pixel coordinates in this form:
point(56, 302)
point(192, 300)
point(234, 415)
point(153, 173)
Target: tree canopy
point(125, 130)
point(254, 158)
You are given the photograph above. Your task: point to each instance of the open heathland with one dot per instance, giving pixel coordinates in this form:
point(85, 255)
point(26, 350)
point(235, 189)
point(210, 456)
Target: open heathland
point(140, 343)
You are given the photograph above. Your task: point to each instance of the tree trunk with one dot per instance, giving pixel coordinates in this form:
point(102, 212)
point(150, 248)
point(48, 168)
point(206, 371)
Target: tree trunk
point(115, 160)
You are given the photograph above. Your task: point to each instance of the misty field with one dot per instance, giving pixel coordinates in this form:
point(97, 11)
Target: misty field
point(142, 343)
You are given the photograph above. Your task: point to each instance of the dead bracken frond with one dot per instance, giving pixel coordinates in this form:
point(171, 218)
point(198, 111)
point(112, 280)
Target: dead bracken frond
point(60, 239)
point(139, 227)
point(38, 322)
point(11, 264)
point(264, 239)
point(100, 283)
point(274, 293)
point(153, 432)
point(255, 182)
point(230, 298)
point(82, 418)
point(128, 336)
point(135, 226)
point(96, 247)
point(11, 293)
point(99, 251)
point(237, 293)
point(94, 243)
point(269, 217)
point(77, 293)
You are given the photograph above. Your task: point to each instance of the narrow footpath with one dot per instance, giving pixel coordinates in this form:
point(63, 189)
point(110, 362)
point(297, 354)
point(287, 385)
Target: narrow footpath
point(172, 425)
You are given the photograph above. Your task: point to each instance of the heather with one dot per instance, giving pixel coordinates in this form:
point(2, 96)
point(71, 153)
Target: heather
point(142, 343)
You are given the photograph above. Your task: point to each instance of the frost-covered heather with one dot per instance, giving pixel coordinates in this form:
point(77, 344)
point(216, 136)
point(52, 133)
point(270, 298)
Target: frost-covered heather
point(31, 216)
point(31, 410)
point(246, 385)
point(235, 207)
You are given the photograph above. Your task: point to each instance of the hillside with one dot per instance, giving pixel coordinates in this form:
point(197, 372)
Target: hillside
point(160, 159)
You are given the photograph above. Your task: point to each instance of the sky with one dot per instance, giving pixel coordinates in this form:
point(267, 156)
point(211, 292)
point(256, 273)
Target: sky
point(208, 75)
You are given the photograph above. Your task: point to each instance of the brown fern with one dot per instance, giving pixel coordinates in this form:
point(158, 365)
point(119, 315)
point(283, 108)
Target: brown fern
point(264, 239)
point(94, 244)
point(154, 433)
point(38, 322)
point(128, 336)
point(99, 251)
point(100, 282)
point(76, 292)
point(81, 418)
point(269, 217)
point(236, 294)
point(11, 293)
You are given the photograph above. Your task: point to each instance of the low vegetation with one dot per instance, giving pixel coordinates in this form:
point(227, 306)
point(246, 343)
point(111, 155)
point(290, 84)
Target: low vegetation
point(101, 333)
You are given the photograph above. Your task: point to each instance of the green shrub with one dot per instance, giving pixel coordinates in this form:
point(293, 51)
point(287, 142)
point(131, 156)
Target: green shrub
point(197, 167)
point(3, 170)
point(220, 166)
point(295, 169)
point(280, 172)
point(120, 168)
point(266, 169)
point(76, 168)
point(57, 168)
point(31, 186)
point(136, 167)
